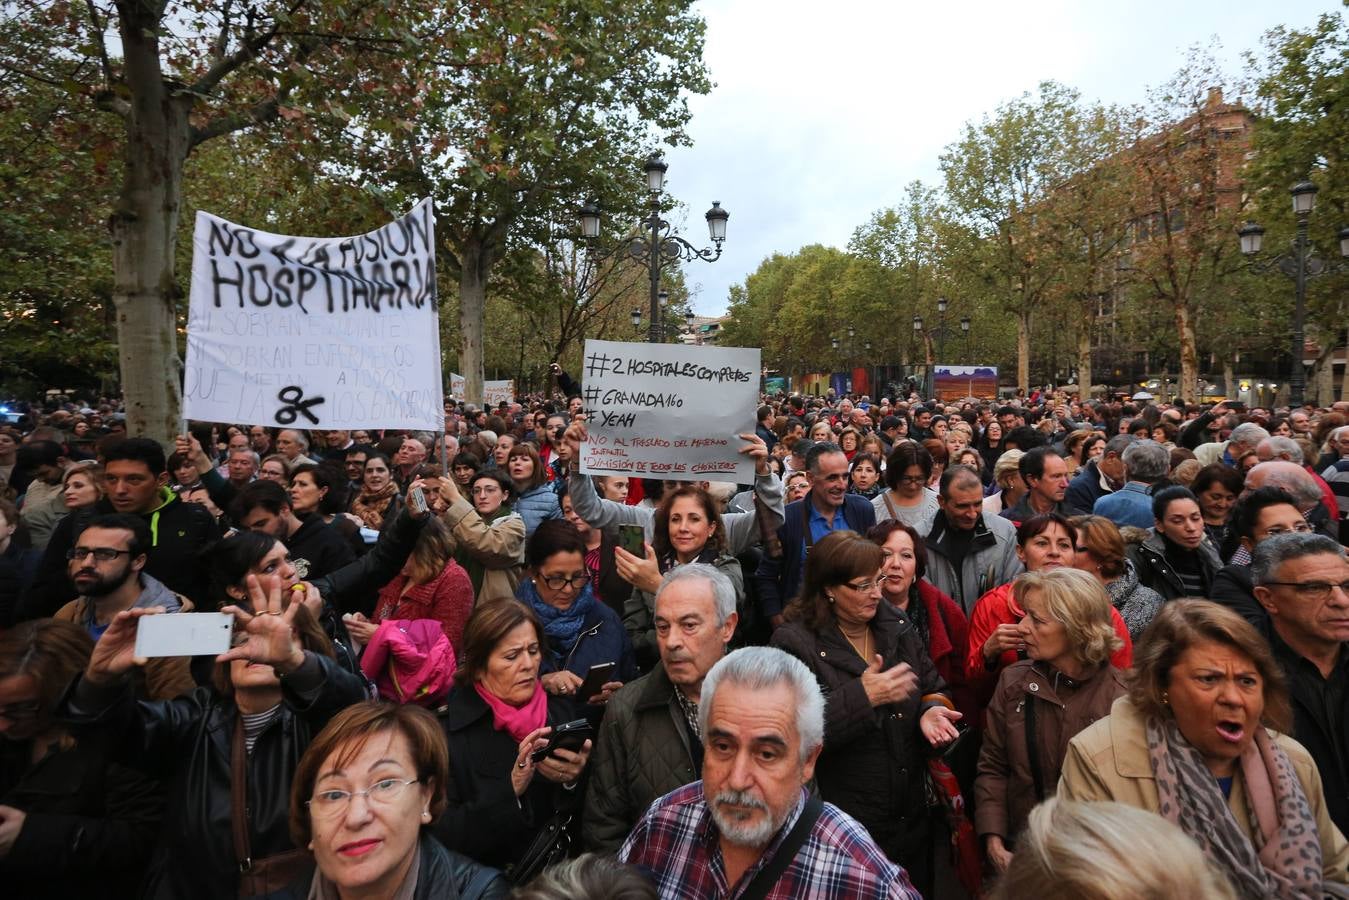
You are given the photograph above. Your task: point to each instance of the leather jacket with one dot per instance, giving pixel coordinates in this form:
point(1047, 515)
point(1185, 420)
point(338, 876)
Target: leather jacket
point(187, 742)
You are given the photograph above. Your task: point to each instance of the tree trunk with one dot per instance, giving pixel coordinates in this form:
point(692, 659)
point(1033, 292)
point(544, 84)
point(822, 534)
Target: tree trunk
point(1189, 355)
point(1344, 384)
point(475, 263)
point(1023, 351)
point(1324, 378)
point(1230, 385)
point(1084, 375)
point(144, 234)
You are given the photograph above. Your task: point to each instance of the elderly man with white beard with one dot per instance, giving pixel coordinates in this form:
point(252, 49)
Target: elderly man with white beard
point(750, 826)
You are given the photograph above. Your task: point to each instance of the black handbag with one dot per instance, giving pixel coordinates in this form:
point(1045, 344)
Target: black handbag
point(549, 847)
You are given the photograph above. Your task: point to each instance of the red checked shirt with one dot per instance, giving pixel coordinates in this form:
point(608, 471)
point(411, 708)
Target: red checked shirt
point(676, 842)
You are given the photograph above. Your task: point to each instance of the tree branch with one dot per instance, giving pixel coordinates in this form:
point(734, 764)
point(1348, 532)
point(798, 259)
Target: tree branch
point(99, 27)
point(262, 111)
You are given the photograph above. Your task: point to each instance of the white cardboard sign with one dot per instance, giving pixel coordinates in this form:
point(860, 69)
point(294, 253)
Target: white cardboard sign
point(315, 332)
point(668, 411)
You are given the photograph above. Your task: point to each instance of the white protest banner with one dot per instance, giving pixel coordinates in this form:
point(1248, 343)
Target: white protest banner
point(315, 332)
point(493, 392)
point(669, 410)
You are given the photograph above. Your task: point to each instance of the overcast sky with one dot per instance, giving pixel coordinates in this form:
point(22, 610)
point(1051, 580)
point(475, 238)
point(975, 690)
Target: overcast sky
point(821, 113)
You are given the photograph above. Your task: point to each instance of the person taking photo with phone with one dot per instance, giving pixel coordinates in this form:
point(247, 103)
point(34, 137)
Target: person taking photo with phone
point(227, 751)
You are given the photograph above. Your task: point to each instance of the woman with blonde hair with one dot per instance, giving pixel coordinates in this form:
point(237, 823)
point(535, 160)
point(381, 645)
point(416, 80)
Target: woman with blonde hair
point(1007, 478)
point(1041, 702)
point(1106, 851)
point(1194, 741)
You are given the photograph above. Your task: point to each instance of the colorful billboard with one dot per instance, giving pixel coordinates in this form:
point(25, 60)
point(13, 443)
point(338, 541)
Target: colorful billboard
point(959, 382)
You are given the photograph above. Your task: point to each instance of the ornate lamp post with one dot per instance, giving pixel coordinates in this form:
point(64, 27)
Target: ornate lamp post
point(661, 247)
point(1299, 264)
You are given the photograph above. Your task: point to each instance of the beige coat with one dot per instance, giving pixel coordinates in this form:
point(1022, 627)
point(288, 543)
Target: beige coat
point(1109, 761)
point(499, 547)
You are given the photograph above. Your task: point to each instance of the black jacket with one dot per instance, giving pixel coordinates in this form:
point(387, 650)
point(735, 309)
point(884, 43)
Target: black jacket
point(484, 820)
point(1233, 588)
point(441, 875)
point(1315, 727)
point(90, 823)
point(779, 579)
point(1156, 572)
point(320, 545)
point(180, 531)
point(1084, 490)
point(187, 742)
point(874, 763)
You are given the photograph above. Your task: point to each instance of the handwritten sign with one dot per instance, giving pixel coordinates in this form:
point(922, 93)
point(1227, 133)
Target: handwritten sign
point(668, 411)
point(319, 332)
point(493, 392)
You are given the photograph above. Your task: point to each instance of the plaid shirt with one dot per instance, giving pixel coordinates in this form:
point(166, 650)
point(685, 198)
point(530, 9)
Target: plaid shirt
point(676, 841)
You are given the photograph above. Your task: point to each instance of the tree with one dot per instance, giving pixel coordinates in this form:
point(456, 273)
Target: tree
point(1301, 97)
point(564, 108)
point(995, 176)
point(1185, 201)
point(176, 76)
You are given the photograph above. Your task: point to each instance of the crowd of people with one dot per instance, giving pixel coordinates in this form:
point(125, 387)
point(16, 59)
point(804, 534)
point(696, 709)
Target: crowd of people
point(931, 650)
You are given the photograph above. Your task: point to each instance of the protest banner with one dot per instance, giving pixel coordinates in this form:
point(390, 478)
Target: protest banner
point(493, 392)
point(668, 411)
point(315, 332)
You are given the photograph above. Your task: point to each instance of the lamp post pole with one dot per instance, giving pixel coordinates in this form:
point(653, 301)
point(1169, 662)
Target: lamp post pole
point(661, 246)
point(1302, 263)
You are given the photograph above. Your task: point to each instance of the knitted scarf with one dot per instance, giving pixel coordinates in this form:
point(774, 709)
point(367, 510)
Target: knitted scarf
point(370, 508)
point(561, 626)
point(517, 721)
point(1284, 860)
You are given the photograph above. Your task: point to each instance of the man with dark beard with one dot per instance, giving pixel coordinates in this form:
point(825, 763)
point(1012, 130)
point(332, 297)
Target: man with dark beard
point(107, 567)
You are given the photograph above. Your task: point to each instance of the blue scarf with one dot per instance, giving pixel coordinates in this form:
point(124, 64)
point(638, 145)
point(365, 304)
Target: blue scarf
point(560, 626)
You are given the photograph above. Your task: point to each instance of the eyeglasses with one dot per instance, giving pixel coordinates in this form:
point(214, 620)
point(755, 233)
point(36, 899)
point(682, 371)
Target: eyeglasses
point(1298, 528)
point(911, 479)
point(102, 554)
point(558, 582)
point(481, 491)
point(866, 586)
point(326, 804)
point(1313, 590)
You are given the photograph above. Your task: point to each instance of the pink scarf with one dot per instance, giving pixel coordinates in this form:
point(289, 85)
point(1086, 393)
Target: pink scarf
point(517, 721)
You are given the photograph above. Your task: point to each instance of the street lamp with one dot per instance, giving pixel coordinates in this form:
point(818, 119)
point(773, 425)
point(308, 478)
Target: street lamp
point(965, 328)
point(1299, 264)
point(636, 317)
point(660, 247)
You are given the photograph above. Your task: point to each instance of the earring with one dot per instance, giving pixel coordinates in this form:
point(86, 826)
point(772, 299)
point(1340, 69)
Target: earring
point(1166, 698)
point(831, 599)
point(426, 814)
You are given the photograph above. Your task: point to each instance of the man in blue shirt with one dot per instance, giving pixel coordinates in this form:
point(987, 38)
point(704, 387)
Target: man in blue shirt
point(1145, 463)
point(828, 507)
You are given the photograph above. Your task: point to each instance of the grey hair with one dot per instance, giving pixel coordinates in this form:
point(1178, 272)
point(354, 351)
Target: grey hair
point(300, 438)
point(1338, 432)
point(1119, 443)
point(1284, 447)
point(761, 668)
point(1271, 553)
point(1147, 461)
point(723, 591)
point(1248, 434)
point(257, 462)
point(1294, 481)
point(588, 877)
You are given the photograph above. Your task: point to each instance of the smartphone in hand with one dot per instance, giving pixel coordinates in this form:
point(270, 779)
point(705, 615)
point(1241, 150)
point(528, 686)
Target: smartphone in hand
point(632, 538)
point(184, 634)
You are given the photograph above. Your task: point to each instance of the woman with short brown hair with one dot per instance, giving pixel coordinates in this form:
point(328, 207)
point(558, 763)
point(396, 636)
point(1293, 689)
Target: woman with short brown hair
point(395, 759)
point(1193, 742)
point(1100, 552)
point(498, 714)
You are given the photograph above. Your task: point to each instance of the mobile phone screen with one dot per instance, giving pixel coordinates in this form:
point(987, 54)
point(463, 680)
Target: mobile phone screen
point(184, 634)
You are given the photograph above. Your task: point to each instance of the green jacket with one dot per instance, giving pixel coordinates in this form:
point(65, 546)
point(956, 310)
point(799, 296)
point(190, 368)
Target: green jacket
point(642, 753)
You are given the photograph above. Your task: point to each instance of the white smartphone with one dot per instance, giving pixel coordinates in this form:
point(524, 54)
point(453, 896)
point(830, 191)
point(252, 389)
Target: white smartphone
point(184, 634)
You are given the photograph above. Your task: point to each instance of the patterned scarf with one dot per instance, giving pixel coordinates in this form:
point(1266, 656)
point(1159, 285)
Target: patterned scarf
point(1287, 864)
point(370, 508)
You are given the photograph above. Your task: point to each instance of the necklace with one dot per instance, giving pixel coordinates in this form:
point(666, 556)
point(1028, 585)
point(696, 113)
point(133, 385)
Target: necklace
point(866, 643)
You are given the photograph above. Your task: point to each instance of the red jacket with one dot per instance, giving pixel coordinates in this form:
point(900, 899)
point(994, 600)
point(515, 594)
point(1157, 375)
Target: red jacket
point(447, 598)
point(998, 607)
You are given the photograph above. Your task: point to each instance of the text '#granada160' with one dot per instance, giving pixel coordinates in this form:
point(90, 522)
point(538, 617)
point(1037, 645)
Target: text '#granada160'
point(668, 410)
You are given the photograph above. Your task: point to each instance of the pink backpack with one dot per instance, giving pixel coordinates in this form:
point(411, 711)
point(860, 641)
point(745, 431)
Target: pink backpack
point(410, 661)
